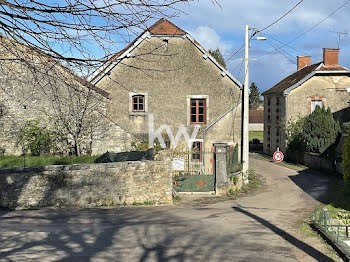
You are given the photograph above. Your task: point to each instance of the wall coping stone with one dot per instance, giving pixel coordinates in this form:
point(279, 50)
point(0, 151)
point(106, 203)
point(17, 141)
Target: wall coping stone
point(9, 170)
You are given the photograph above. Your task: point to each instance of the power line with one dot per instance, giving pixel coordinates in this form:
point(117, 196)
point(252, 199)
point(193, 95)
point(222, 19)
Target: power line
point(311, 28)
point(283, 16)
point(279, 19)
point(283, 45)
point(317, 24)
point(239, 49)
point(284, 53)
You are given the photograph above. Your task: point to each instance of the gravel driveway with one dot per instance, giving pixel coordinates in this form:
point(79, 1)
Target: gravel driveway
point(256, 227)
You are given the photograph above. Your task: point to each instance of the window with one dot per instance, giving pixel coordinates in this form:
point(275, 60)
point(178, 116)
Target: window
point(198, 112)
point(315, 103)
point(269, 109)
point(197, 151)
point(277, 136)
point(268, 133)
point(138, 103)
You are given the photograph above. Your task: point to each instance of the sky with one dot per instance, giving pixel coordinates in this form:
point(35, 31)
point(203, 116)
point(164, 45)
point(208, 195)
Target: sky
point(223, 27)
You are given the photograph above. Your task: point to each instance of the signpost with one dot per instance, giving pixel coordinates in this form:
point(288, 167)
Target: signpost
point(278, 155)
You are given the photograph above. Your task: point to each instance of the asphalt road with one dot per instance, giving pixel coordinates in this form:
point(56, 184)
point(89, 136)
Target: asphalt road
point(257, 227)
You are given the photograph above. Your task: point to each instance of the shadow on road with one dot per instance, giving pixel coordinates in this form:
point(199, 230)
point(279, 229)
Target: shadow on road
point(292, 240)
point(321, 187)
point(135, 234)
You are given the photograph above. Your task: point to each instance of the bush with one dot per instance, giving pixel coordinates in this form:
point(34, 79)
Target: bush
point(295, 135)
point(313, 133)
point(346, 157)
point(342, 196)
point(37, 139)
point(320, 130)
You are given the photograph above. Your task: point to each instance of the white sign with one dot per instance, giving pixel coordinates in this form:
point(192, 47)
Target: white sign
point(178, 164)
point(278, 156)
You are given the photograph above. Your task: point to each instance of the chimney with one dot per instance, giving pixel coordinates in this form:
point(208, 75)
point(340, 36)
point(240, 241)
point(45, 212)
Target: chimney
point(303, 61)
point(330, 56)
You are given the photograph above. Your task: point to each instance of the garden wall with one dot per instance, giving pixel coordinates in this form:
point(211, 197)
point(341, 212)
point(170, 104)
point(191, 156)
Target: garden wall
point(88, 185)
point(314, 161)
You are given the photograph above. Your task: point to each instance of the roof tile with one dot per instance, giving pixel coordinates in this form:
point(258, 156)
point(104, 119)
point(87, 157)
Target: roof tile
point(256, 116)
point(291, 80)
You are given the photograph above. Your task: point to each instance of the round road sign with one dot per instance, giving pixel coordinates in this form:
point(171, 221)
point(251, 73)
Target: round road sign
point(278, 156)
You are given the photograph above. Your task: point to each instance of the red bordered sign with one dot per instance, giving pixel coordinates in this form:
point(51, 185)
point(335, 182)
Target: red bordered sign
point(278, 156)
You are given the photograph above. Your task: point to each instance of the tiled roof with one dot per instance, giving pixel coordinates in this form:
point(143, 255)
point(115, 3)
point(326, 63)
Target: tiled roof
point(291, 79)
point(161, 27)
point(256, 116)
point(165, 27)
point(300, 75)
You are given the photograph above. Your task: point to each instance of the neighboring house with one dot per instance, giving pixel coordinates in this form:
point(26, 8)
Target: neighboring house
point(256, 120)
point(166, 76)
point(321, 84)
point(34, 86)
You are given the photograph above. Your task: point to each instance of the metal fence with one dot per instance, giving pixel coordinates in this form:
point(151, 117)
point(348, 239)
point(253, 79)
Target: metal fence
point(335, 226)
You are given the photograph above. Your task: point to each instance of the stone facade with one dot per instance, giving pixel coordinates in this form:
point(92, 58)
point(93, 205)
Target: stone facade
point(90, 185)
point(169, 70)
point(326, 84)
point(37, 88)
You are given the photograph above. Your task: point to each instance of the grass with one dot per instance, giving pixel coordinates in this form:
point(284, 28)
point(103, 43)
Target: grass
point(145, 203)
point(256, 135)
point(290, 165)
point(307, 231)
point(18, 161)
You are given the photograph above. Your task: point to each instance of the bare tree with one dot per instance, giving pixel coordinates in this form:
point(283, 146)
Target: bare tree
point(81, 31)
point(44, 44)
point(33, 85)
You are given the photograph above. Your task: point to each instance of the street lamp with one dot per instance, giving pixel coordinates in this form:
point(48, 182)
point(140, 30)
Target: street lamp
point(245, 153)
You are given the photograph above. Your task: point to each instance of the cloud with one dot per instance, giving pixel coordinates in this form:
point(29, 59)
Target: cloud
point(209, 39)
point(234, 14)
point(223, 27)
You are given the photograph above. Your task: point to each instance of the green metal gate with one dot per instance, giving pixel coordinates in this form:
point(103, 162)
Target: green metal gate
point(195, 173)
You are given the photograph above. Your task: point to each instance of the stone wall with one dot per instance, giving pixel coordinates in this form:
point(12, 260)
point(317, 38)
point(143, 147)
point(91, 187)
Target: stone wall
point(256, 127)
point(88, 185)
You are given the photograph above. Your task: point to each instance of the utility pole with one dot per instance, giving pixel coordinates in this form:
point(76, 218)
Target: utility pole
point(245, 137)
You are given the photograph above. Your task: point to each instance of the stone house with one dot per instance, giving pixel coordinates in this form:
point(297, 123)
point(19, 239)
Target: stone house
point(322, 84)
point(166, 77)
point(36, 87)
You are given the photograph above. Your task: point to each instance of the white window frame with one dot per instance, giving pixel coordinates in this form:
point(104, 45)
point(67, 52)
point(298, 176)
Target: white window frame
point(315, 103)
